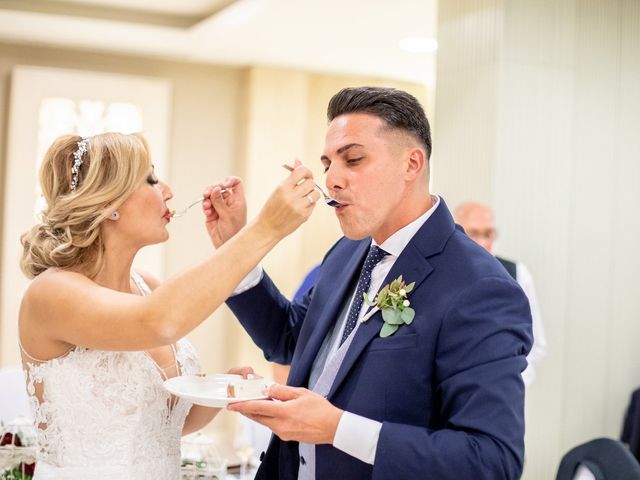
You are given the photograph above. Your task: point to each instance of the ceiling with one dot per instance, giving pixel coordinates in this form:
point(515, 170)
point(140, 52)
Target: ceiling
point(337, 36)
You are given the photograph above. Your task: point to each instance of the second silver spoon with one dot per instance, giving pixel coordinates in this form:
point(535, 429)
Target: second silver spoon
point(332, 202)
point(179, 214)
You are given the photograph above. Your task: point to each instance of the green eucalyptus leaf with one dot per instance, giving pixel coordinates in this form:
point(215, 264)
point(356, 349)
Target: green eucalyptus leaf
point(382, 297)
point(367, 300)
point(391, 316)
point(409, 287)
point(407, 315)
point(388, 330)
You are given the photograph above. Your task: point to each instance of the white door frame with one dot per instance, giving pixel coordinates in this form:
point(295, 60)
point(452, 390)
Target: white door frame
point(29, 87)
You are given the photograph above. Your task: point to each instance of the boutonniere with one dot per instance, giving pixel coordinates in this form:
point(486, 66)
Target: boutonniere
point(393, 300)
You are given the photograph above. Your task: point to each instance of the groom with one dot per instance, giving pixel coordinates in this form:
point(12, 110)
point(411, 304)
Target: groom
point(441, 397)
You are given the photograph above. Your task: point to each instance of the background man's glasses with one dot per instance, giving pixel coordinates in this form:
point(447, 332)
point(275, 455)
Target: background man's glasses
point(489, 234)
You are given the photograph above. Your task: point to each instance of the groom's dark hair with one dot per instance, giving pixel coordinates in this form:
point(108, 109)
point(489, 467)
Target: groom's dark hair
point(398, 109)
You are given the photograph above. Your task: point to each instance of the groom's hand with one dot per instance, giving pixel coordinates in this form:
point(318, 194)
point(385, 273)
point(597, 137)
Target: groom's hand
point(300, 415)
point(225, 210)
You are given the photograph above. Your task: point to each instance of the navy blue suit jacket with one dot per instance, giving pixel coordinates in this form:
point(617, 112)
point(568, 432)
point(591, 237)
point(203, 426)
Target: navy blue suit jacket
point(447, 388)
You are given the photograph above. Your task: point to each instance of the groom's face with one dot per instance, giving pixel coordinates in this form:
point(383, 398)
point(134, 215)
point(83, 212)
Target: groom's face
point(365, 172)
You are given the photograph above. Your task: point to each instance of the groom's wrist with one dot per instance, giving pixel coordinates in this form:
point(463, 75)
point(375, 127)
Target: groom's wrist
point(357, 436)
point(333, 421)
point(251, 280)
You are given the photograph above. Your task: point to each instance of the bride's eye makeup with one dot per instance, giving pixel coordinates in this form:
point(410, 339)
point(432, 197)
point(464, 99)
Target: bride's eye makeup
point(353, 161)
point(152, 180)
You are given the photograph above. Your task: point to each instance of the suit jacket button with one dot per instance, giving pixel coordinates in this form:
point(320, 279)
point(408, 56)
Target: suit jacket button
point(302, 460)
point(262, 454)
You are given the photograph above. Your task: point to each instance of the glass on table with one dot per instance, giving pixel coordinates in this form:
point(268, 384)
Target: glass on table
point(201, 459)
point(244, 446)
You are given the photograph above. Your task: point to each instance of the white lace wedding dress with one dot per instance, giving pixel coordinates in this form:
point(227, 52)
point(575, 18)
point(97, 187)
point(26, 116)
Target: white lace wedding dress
point(105, 415)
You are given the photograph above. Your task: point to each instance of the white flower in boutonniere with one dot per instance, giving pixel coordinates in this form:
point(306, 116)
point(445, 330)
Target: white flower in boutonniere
point(392, 300)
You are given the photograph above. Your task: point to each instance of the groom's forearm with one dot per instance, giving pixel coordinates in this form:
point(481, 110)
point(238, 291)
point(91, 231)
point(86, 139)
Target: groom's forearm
point(409, 451)
point(270, 319)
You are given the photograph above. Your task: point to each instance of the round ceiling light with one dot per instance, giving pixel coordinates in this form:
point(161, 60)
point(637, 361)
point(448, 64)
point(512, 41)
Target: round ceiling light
point(419, 44)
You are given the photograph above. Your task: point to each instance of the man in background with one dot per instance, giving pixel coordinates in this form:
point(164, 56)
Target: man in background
point(478, 222)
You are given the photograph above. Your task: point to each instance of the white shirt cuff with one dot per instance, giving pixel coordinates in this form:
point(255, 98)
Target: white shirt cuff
point(251, 280)
point(358, 436)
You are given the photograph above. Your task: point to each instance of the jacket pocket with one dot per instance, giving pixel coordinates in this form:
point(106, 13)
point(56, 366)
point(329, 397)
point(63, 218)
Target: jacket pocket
point(394, 342)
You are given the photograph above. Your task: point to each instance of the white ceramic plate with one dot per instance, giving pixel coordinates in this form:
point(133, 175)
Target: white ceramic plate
point(210, 390)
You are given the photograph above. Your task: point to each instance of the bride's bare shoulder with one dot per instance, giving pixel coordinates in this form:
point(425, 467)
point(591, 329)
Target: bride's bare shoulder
point(45, 302)
point(56, 284)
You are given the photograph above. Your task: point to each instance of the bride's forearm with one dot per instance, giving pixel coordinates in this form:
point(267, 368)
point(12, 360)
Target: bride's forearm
point(181, 303)
point(198, 418)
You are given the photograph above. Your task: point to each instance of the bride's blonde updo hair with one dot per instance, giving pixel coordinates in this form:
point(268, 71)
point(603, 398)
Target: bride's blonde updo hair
point(70, 235)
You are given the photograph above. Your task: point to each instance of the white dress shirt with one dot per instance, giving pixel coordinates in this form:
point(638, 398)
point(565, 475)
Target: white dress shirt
point(357, 435)
point(539, 347)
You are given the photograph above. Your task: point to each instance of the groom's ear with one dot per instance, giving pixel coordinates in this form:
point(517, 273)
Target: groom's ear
point(415, 163)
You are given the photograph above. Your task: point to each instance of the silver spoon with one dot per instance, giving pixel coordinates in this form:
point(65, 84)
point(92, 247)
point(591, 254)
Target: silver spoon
point(179, 214)
point(332, 202)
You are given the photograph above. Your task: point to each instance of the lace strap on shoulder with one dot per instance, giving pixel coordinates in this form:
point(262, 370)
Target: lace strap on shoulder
point(38, 360)
point(140, 283)
point(26, 354)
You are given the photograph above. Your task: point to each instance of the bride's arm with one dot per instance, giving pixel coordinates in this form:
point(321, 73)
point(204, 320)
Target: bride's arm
point(198, 418)
point(69, 308)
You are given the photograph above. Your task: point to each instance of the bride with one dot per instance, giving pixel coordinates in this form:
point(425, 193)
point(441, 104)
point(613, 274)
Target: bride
point(98, 338)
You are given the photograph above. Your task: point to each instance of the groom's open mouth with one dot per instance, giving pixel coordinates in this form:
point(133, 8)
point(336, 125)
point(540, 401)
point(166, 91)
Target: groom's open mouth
point(340, 207)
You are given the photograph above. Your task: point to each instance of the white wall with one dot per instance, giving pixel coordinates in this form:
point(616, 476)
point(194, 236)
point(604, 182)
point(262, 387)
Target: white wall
point(541, 120)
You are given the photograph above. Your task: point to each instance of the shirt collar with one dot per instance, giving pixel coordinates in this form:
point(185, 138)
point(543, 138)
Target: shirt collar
point(394, 245)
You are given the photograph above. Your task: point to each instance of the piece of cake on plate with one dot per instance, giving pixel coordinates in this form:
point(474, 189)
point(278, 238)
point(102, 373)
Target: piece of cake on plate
point(247, 388)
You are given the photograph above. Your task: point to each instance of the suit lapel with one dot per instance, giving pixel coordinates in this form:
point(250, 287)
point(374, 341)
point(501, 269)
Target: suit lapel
point(338, 287)
point(413, 265)
point(414, 268)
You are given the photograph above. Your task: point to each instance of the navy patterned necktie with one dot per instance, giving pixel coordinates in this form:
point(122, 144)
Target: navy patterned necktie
point(373, 257)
